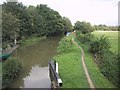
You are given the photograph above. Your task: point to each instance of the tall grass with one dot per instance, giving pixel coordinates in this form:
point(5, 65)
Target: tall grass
point(31, 40)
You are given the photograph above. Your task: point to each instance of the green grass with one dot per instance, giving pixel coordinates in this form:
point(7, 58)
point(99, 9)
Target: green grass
point(31, 40)
point(113, 37)
point(97, 77)
point(71, 71)
point(70, 68)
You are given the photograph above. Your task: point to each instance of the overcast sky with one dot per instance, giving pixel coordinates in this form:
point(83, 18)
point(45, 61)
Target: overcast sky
point(93, 11)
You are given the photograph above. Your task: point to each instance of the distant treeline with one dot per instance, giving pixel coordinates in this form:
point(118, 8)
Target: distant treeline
point(106, 28)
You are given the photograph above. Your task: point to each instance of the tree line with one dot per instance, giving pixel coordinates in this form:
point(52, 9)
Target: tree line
point(106, 28)
point(20, 22)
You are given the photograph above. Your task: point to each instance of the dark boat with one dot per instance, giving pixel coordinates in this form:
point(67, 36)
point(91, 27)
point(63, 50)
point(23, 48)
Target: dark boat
point(4, 56)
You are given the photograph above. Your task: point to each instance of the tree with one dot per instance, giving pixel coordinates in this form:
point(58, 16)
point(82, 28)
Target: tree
point(67, 24)
point(53, 22)
point(105, 27)
point(118, 28)
point(100, 45)
point(84, 38)
point(36, 21)
point(84, 27)
point(18, 10)
point(10, 27)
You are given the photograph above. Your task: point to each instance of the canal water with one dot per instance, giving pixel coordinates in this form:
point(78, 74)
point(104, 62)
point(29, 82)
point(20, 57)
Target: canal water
point(35, 72)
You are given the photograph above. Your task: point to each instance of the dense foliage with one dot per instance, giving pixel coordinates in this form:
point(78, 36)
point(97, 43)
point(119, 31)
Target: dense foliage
point(84, 27)
point(104, 58)
point(84, 38)
point(20, 22)
point(118, 28)
point(67, 24)
point(100, 45)
point(83, 31)
point(11, 69)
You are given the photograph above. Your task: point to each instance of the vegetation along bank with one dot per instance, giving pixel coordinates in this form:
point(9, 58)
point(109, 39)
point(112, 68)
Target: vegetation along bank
point(27, 25)
point(71, 68)
point(101, 59)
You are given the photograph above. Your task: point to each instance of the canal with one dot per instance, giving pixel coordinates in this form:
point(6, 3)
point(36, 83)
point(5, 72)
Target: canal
point(35, 72)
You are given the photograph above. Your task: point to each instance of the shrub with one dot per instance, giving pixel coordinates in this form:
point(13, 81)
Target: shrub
point(109, 66)
point(84, 38)
point(65, 46)
point(106, 60)
point(11, 69)
point(100, 45)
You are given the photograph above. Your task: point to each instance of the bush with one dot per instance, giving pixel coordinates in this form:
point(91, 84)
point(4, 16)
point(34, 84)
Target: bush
point(65, 46)
point(11, 69)
point(84, 38)
point(109, 66)
point(106, 60)
point(100, 45)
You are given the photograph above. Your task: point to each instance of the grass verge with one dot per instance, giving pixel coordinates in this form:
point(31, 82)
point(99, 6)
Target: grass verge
point(70, 65)
point(30, 41)
point(71, 69)
point(97, 77)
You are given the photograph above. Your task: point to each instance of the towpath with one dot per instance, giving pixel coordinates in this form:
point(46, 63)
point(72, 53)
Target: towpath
point(85, 68)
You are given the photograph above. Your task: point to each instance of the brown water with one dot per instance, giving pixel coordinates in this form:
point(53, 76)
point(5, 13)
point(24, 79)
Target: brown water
point(35, 73)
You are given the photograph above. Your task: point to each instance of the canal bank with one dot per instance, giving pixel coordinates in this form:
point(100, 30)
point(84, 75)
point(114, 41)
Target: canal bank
point(35, 63)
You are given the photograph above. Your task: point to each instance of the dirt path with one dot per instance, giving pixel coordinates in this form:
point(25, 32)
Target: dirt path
point(85, 68)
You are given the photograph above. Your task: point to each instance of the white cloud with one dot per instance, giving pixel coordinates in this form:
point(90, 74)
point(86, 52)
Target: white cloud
point(94, 11)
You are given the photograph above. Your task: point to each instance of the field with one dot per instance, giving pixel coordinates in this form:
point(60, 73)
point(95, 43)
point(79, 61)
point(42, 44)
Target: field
point(113, 37)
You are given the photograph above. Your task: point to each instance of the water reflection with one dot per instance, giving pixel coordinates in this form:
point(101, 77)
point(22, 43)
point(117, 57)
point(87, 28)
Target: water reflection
point(35, 64)
point(38, 78)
